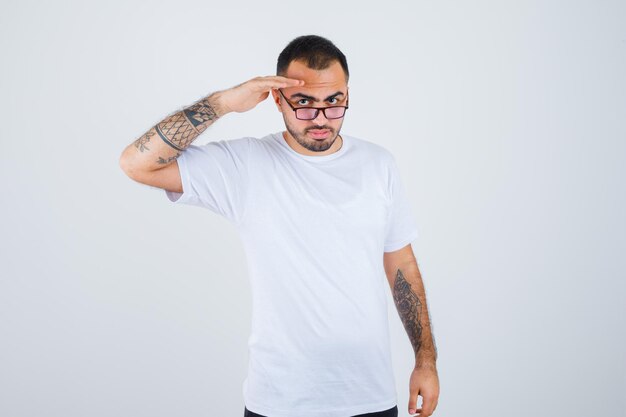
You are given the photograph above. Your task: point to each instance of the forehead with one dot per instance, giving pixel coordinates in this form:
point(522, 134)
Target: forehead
point(316, 82)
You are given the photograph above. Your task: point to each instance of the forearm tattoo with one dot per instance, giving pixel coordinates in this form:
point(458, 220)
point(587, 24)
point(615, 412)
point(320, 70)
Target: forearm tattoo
point(409, 307)
point(181, 128)
point(141, 142)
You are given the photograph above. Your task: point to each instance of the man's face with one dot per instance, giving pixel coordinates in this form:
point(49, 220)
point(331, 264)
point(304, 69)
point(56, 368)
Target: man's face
point(322, 88)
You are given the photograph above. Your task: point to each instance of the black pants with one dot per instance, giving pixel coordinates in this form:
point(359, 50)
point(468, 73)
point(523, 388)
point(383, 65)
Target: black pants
point(392, 412)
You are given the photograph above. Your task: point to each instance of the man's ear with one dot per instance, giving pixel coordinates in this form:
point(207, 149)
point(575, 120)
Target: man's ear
point(276, 98)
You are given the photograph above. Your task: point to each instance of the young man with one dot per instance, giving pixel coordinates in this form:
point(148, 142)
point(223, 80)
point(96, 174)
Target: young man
point(315, 211)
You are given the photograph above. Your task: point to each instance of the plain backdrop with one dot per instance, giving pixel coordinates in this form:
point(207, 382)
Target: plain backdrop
point(507, 119)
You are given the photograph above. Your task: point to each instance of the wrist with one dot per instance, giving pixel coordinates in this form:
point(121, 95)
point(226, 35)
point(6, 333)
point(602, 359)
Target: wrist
point(217, 103)
point(426, 364)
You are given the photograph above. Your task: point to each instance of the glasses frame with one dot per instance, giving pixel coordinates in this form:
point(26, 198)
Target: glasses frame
point(317, 113)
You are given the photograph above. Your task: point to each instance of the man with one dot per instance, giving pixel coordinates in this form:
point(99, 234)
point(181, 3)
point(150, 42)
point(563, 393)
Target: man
point(315, 210)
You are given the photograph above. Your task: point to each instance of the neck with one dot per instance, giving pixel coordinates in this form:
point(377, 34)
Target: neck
point(293, 144)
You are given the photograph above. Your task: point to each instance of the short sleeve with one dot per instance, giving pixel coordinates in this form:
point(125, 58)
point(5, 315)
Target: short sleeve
point(401, 228)
point(215, 176)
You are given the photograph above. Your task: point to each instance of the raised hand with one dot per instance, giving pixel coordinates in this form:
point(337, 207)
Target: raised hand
point(247, 95)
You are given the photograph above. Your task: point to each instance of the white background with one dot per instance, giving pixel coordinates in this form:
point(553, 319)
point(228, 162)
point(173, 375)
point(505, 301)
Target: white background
point(507, 119)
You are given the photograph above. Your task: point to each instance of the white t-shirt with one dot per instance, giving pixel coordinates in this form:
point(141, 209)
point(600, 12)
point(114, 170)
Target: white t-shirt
point(314, 229)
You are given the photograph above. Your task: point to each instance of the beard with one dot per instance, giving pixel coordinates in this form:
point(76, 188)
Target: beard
point(312, 144)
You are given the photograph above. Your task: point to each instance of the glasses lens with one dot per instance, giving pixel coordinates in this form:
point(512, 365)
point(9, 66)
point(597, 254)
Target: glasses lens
point(306, 114)
point(335, 112)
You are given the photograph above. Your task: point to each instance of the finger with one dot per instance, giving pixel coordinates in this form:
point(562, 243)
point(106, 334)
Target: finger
point(428, 405)
point(412, 403)
point(280, 78)
point(278, 82)
point(270, 87)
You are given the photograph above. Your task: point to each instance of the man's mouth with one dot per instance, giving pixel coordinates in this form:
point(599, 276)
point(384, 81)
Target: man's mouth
point(319, 133)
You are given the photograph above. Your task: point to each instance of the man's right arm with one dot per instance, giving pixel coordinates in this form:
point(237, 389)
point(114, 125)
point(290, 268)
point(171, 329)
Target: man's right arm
point(151, 159)
point(163, 143)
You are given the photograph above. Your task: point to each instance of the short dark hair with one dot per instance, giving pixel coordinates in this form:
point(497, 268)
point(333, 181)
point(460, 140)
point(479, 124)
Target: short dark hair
point(316, 52)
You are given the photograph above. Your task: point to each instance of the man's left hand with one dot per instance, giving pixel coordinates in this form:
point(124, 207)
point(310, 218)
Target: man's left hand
point(424, 382)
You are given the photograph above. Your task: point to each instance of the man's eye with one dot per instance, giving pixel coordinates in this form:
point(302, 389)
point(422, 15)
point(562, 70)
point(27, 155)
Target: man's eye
point(300, 102)
point(336, 100)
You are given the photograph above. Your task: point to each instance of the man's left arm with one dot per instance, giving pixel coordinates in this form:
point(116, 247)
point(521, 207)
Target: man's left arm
point(409, 297)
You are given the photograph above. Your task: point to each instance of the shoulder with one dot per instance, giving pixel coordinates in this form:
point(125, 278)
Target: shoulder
point(371, 150)
point(236, 146)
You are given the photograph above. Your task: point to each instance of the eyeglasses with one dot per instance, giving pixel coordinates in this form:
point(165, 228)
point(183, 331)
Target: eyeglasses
point(310, 113)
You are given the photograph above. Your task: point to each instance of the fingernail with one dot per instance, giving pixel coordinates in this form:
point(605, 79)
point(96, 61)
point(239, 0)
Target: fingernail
point(411, 411)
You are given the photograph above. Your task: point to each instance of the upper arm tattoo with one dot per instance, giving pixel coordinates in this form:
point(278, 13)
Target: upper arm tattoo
point(163, 161)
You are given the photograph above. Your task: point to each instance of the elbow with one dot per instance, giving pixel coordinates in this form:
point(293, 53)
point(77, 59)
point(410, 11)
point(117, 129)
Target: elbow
point(123, 163)
point(126, 164)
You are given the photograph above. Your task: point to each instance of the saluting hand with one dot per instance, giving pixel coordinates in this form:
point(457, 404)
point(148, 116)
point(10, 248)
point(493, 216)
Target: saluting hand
point(247, 95)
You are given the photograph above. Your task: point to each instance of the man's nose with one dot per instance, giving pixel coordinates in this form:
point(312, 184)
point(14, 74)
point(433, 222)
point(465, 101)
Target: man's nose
point(320, 118)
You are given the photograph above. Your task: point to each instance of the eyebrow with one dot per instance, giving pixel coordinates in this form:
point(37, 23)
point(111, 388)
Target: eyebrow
point(338, 93)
